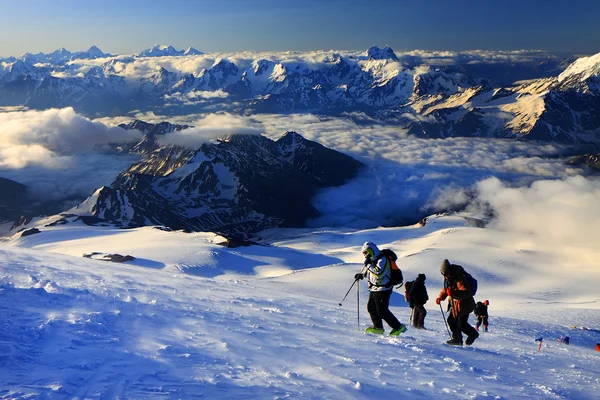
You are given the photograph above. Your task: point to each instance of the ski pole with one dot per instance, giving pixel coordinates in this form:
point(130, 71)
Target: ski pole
point(356, 280)
point(410, 318)
point(357, 308)
point(445, 322)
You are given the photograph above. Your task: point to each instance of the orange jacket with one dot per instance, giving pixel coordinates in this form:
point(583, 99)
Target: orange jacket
point(463, 302)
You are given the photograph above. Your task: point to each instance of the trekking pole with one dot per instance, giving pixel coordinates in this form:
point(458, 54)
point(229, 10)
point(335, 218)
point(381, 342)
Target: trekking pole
point(445, 322)
point(357, 308)
point(356, 280)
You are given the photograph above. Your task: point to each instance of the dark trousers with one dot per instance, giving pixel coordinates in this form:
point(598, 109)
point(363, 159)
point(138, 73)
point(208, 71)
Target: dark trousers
point(483, 319)
point(419, 313)
point(378, 307)
point(460, 324)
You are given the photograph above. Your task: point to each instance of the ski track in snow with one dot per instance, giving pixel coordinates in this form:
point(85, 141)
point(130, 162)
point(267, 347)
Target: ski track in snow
point(78, 328)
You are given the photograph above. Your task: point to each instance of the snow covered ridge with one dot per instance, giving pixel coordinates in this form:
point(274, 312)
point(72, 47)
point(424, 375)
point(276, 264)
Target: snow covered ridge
point(168, 51)
point(63, 55)
point(583, 68)
point(188, 316)
point(444, 95)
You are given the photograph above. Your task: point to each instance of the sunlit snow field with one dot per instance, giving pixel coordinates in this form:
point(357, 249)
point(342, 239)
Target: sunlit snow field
point(190, 318)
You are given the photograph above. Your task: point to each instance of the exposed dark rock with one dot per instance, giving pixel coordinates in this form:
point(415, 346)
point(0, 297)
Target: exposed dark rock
point(232, 243)
point(591, 160)
point(109, 257)
point(30, 231)
point(61, 221)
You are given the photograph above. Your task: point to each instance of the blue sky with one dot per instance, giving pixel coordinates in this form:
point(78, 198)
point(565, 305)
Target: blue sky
point(129, 26)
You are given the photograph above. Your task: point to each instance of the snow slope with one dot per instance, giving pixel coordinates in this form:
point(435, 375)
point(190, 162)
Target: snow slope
point(192, 319)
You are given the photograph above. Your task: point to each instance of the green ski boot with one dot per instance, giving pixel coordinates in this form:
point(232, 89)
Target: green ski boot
point(398, 331)
point(373, 330)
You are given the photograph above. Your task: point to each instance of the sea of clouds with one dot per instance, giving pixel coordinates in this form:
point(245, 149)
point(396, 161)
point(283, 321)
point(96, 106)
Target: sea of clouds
point(61, 155)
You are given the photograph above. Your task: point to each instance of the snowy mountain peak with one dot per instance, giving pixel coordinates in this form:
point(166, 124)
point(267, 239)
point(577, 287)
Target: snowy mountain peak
point(190, 51)
point(60, 51)
point(95, 51)
point(168, 51)
point(260, 66)
point(222, 62)
point(92, 53)
point(224, 66)
point(293, 136)
point(582, 69)
point(58, 56)
point(159, 51)
point(375, 53)
point(162, 48)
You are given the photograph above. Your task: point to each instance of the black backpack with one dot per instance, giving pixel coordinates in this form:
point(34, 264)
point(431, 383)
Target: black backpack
point(478, 308)
point(472, 283)
point(421, 295)
point(396, 277)
point(416, 292)
point(469, 278)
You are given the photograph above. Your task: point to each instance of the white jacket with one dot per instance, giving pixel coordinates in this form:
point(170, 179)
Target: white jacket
point(378, 271)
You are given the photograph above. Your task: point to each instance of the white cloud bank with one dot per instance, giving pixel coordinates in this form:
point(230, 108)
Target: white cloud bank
point(209, 128)
point(58, 153)
point(48, 138)
point(558, 211)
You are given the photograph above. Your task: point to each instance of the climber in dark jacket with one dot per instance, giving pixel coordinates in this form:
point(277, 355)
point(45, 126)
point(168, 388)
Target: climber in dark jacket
point(416, 295)
point(456, 287)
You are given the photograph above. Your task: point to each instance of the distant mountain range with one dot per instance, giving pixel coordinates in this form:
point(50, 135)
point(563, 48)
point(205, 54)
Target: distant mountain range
point(431, 101)
point(165, 51)
point(59, 56)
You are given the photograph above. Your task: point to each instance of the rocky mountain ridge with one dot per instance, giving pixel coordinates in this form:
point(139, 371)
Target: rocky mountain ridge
point(235, 186)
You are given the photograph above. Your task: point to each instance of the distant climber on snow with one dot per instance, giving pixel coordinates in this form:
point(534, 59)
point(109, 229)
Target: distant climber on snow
point(377, 270)
point(481, 312)
point(458, 289)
